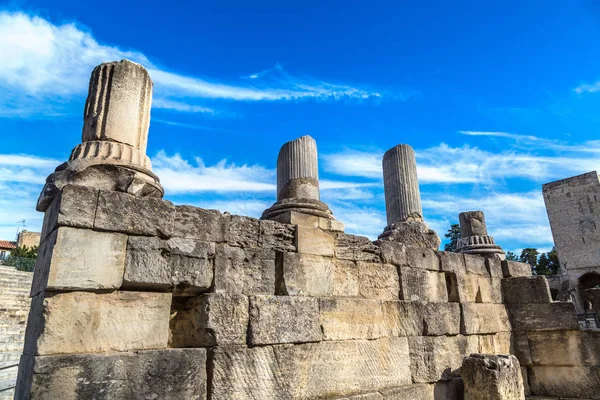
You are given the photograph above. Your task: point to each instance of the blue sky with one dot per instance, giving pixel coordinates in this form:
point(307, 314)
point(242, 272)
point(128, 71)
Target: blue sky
point(497, 98)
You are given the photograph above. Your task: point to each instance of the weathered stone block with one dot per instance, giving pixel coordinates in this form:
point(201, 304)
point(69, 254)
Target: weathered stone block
point(297, 218)
point(355, 248)
point(276, 236)
point(483, 318)
point(420, 257)
point(550, 316)
point(513, 269)
point(81, 259)
point(364, 396)
point(74, 206)
point(434, 358)
point(283, 319)
point(305, 275)
point(246, 271)
point(346, 278)
point(565, 382)
point(476, 265)
point(314, 241)
point(526, 289)
point(209, 320)
point(146, 216)
point(378, 281)
point(241, 231)
point(183, 263)
point(521, 349)
point(441, 319)
point(418, 284)
point(452, 262)
point(403, 318)
point(347, 319)
point(150, 374)
point(311, 370)
point(494, 267)
point(84, 322)
point(419, 391)
point(568, 348)
point(198, 223)
point(392, 252)
point(478, 289)
point(525, 381)
point(452, 389)
point(492, 377)
point(495, 343)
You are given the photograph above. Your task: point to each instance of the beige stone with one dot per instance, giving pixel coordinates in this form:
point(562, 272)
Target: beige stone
point(276, 236)
point(306, 275)
point(525, 381)
point(484, 318)
point(565, 382)
point(413, 392)
point(494, 267)
point(527, 289)
point(283, 319)
point(392, 252)
point(403, 318)
point(441, 319)
point(513, 269)
point(495, 343)
point(314, 241)
point(348, 319)
point(355, 248)
point(209, 320)
point(297, 218)
point(84, 322)
point(150, 374)
point(245, 271)
point(74, 206)
point(346, 278)
point(521, 349)
point(476, 265)
point(568, 348)
point(420, 257)
point(378, 281)
point(363, 396)
point(452, 262)
point(241, 231)
point(417, 284)
point(80, 259)
point(198, 223)
point(550, 316)
point(308, 371)
point(492, 377)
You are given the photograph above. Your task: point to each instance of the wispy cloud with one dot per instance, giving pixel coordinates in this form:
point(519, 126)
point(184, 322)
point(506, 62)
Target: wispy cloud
point(588, 88)
point(45, 65)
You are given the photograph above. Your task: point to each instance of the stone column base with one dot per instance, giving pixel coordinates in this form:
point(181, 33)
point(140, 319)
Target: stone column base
point(413, 234)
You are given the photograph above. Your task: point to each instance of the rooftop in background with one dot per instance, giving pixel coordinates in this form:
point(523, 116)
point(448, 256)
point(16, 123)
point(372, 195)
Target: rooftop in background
point(7, 245)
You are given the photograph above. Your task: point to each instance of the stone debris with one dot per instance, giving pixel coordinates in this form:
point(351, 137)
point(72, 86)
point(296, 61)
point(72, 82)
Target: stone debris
point(492, 377)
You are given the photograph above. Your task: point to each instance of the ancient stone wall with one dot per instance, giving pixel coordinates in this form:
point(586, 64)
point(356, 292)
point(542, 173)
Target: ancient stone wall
point(28, 239)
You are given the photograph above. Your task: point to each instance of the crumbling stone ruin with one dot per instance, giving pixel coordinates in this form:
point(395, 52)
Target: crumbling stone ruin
point(135, 298)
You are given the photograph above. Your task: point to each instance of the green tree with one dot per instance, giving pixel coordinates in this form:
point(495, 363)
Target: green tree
point(23, 258)
point(510, 256)
point(547, 264)
point(529, 255)
point(453, 234)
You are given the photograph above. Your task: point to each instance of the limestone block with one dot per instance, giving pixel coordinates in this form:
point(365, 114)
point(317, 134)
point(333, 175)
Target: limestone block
point(521, 349)
point(403, 318)
point(276, 236)
point(305, 275)
point(513, 269)
point(565, 382)
point(378, 281)
point(492, 377)
point(74, 206)
point(478, 289)
point(283, 319)
point(480, 318)
point(330, 224)
point(448, 390)
point(418, 284)
point(210, 319)
point(494, 267)
point(242, 231)
point(346, 279)
point(452, 262)
point(526, 289)
point(122, 212)
point(151, 374)
point(441, 319)
point(246, 271)
point(568, 348)
point(434, 358)
point(363, 396)
point(198, 223)
point(348, 319)
point(419, 391)
point(85, 322)
point(297, 218)
point(355, 248)
point(525, 381)
point(72, 258)
point(550, 316)
point(392, 252)
point(476, 265)
point(495, 343)
point(314, 241)
point(311, 370)
point(420, 257)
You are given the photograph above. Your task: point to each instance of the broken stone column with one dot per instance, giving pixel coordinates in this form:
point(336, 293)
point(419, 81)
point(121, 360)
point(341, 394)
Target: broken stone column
point(112, 153)
point(474, 238)
point(492, 377)
point(298, 199)
point(403, 200)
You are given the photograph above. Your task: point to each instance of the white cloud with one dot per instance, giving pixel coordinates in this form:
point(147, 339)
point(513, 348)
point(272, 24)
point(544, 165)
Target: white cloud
point(588, 88)
point(43, 61)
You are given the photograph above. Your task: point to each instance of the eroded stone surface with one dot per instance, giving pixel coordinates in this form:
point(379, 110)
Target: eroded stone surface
point(565, 347)
point(378, 281)
point(527, 289)
point(484, 318)
point(565, 382)
point(355, 248)
point(540, 316)
point(246, 271)
point(492, 377)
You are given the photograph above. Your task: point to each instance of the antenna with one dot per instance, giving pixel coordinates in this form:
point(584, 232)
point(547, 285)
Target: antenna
point(20, 224)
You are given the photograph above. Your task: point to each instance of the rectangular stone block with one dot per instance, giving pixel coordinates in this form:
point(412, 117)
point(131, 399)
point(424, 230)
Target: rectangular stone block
point(565, 382)
point(283, 319)
point(538, 317)
point(348, 319)
point(473, 288)
point(74, 206)
point(403, 318)
point(364, 396)
point(355, 248)
point(476, 265)
point(392, 252)
point(417, 284)
point(567, 348)
point(150, 374)
point(492, 377)
point(182, 264)
point(419, 391)
point(480, 318)
point(378, 281)
point(304, 275)
point(311, 370)
point(419, 257)
point(434, 358)
point(346, 279)
point(452, 262)
point(297, 218)
point(526, 289)
point(85, 322)
point(144, 216)
point(198, 223)
point(245, 271)
point(212, 319)
point(276, 236)
point(494, 267)
point(441, 319)
point(521, 349)
point(314, 241)
point(495, 343)
point(514, 269)
point(72, 259)
point(241, 231)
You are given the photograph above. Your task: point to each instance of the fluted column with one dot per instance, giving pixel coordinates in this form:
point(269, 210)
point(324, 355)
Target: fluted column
point(298, 170)
point(401, 185)
point(474, 238)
